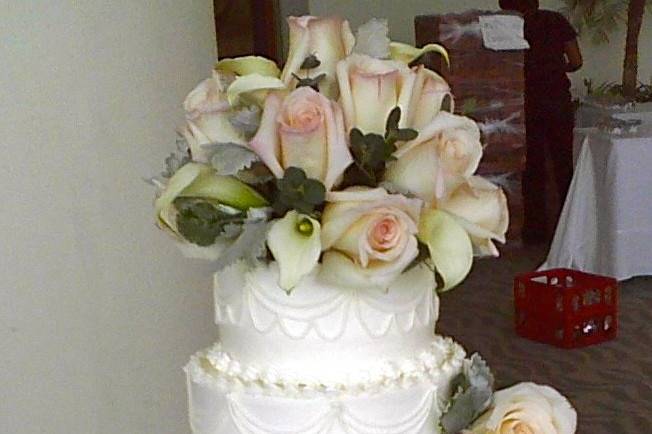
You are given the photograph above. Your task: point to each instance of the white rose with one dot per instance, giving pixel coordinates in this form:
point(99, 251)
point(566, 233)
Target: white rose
point(330, 39)
point(527, 408)
point(368, 235)
point(370, 88)
point(481, 209)
point(443, 156)
point(207, 116)
point(430, 90)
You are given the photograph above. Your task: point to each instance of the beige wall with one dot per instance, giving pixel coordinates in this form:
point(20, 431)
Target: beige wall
point(98, 312)
point(602, 62)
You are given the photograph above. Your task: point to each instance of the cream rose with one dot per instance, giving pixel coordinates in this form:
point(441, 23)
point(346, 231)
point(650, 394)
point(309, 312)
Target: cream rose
point(443, 156)
point(481, 209)
point(430, 90)
point(368, 235)
point(207, 116)
point(527, 408)
point(329, 39)
point(370, 88)
point(306, 130)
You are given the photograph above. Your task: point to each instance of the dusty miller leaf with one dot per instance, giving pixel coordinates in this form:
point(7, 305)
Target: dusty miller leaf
point(247, 120)
point(473, 395)
point(248, 246)
point(230, 158)
point(372, 39)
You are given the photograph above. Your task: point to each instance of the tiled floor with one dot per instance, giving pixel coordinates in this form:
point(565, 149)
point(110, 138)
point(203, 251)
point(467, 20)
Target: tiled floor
point(609, 384)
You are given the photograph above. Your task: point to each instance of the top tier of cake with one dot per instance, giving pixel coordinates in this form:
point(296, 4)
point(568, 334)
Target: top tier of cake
point(321, 332)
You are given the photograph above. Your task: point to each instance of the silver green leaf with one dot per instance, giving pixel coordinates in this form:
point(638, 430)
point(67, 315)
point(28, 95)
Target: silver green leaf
point(230, 158)
point(248, 246)
point(372, 39)
point(247, 120)
point(472, 395)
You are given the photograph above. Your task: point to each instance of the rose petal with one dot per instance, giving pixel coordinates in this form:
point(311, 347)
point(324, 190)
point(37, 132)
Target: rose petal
point(266, 142)
point(339, 269)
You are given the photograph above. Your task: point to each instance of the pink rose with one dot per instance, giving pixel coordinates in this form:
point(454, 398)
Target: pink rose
point(369, 235)
point(306, 130)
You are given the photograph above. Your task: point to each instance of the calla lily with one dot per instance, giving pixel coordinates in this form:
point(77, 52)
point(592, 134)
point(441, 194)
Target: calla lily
point(295, 243)
point(255, 86)
point(407, 53)
point(449, 245)
point(248, 65)
point(201, 181)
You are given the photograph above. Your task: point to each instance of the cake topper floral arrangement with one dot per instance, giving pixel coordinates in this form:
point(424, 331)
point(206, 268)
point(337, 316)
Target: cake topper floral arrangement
point(343, 163)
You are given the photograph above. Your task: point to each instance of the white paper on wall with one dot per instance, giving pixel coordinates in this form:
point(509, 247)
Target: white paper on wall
point(503, 32)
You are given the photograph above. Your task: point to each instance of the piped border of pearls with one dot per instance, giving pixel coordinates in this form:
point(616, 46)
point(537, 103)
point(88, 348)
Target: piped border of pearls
point(216, 368)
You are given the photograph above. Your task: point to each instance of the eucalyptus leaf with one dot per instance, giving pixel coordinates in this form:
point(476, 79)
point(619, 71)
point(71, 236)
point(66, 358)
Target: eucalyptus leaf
point(312, 82)
point(297, 191)
point(200, 222)
point(310, 62)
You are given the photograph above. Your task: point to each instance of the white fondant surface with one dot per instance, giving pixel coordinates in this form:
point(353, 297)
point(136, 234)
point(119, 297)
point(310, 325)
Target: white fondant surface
point(407, 397)
point(322, 332)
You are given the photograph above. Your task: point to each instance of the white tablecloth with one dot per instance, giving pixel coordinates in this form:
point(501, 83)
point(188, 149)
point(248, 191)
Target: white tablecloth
point(606, 223)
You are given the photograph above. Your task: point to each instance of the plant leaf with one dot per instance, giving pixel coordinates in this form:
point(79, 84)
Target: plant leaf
point(248, 246)
point(297, 191)
point(247, 120)
point(201, 222)
point(372, 39)
point(310, 62)
point(230, 158)
point(472, 395)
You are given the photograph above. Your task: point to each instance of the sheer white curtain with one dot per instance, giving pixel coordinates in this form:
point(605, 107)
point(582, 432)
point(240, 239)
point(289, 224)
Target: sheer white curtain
point(98, 312)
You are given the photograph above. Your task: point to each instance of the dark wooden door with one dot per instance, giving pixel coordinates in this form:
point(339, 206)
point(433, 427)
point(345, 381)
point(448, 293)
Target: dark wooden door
point(247, 27)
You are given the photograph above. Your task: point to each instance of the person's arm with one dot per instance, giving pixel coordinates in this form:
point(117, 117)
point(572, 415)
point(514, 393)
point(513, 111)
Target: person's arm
point(573, 55)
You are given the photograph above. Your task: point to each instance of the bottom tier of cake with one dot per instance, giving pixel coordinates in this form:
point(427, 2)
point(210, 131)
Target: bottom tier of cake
point(405, 397)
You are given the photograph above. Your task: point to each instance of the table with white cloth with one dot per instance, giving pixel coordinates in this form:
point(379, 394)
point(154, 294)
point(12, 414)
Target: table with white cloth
point(606, 223)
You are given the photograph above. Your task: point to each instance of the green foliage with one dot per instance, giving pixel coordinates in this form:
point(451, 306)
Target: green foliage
point(310, 62)
point(201, 222)
point(312, 82)
point(597, 18)
point(472, 395)
point(296, 191)
point(230, 158)
point(248, 246)
point(371, 152)
point(395, 134)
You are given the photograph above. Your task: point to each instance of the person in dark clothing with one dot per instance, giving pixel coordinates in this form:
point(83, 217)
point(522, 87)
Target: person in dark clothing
point(549, 121)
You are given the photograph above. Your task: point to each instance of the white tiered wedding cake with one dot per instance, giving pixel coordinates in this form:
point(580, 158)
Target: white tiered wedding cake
point(324, 359)
point(336, 198)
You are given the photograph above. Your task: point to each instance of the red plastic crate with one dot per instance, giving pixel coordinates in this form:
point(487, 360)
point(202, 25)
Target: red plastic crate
point(566, 308)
